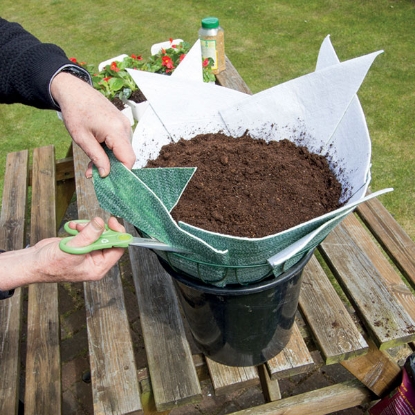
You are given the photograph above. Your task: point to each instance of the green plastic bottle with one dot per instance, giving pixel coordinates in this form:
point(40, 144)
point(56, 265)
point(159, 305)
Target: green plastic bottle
point(212, 42)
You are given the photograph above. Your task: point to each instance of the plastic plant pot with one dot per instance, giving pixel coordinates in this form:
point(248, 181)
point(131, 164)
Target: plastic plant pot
point(241, 325)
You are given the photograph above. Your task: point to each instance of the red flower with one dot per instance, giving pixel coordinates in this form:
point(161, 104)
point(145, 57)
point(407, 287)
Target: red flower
point(205, 62)
point(106, 79)
point(138, 58)
point(167, 62)
point(182, 56)
point(163, 51)
point(114, 67)
point(73, 60)
point(171, 40)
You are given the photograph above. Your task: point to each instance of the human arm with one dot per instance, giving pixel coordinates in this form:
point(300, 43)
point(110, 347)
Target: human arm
point(27, 67)
point(45, 262)
point(31, 74)
point(91, 119)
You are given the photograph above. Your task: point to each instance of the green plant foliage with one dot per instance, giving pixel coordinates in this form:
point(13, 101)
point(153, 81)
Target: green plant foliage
point(114, 81)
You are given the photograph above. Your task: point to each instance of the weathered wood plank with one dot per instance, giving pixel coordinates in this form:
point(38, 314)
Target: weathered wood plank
point(201, 367)
point(65, 182)
point(65, 185)
point(64, 170)
point(43, 366)
point(12, 235)
point(390, 236)
point(147, 398)
point(390, 277)
point(318, 402)
point(376, 370)
point(270, 388)
point(230, 78)
point(292, 360)
point(64, 193)
point(172, 371)
point(332, 327)
point(227, 379)
point(384, 317)
point(115, 385)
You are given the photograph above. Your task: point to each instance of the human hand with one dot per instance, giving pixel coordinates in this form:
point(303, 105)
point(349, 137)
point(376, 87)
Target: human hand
point(90, 120)
point(45, 262)
point(56, 265)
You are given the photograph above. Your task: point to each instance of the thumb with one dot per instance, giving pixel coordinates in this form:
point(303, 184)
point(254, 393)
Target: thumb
point(99, 159)
point(89, 234)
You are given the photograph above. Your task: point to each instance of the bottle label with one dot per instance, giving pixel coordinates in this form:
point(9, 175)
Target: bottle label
point(209, 51)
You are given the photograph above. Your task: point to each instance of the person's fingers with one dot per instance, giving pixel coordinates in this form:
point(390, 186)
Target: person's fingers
point(124, 153)
point(78, 225)
point(122, 149)
point(88, 172)
point(107, 256)
point(88, 234)
point(115, 225)
point(96, 153)
point(126, 157)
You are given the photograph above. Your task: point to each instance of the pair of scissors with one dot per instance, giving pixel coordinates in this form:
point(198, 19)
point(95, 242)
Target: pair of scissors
point(112, 239)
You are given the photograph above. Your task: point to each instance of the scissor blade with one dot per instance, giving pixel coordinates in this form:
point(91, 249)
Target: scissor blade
point(154, 244)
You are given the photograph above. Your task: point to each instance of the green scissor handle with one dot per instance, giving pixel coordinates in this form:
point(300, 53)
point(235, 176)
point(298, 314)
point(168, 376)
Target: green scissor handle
point(108, 239)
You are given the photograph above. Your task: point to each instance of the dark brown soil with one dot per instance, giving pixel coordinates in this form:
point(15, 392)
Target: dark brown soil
point(118, 103)
point(246, 187)
point(137, 96)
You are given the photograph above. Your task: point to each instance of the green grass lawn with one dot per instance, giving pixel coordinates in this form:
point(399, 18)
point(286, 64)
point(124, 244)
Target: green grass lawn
point(269, 42)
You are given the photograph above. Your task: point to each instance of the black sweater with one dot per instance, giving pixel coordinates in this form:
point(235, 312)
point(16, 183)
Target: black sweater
point(27, 67)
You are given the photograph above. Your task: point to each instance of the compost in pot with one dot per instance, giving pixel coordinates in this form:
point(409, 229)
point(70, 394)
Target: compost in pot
point(250, 188)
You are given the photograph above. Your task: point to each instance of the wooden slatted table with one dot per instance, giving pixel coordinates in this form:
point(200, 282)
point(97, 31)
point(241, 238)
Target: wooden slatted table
point(368, 255)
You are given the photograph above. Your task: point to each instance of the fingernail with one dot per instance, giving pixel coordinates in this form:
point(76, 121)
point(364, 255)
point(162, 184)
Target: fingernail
point(88, 176)
point(101, 171)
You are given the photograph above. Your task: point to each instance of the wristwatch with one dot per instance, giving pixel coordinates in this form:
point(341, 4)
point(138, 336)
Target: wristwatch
point(77, 71)
point(74, 70)
point(5, 294)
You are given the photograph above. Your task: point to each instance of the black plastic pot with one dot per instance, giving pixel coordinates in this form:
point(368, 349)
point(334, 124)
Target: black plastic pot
point(241, 325)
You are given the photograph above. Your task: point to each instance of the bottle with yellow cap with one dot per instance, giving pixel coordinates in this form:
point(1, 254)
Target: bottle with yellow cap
point(212, 41)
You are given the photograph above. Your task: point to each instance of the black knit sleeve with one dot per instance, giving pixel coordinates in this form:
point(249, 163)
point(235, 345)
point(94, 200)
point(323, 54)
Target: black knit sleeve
point(4, 295)
point(27, 67)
